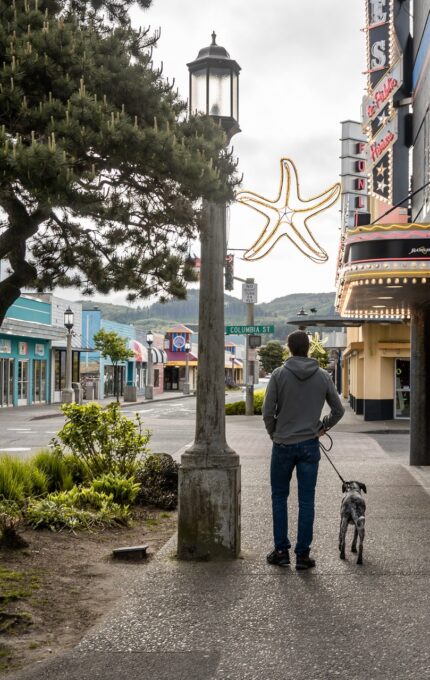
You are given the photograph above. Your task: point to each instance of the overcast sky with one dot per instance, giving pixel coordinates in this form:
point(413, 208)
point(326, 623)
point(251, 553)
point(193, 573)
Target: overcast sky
point(302, 64)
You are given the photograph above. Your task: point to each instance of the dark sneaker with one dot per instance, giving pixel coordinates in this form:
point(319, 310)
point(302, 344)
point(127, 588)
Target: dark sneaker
point(304, 562)
point(279, 557)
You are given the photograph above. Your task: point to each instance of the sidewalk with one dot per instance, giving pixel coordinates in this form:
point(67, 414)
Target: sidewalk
point(245, 620)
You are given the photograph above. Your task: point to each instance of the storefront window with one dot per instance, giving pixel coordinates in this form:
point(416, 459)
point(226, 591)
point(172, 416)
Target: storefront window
point(60, 368)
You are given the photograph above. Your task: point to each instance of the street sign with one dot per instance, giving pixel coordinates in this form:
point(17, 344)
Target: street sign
point(249, 330)
point(252, 354)
point(249, 293)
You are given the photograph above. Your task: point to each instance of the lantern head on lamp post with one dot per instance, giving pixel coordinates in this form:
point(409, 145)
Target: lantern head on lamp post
point(214, 86)
point(68, 319)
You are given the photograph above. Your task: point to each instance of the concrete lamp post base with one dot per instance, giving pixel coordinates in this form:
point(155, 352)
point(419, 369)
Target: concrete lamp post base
point(209, 506)
point(68, 396)
point(186, 388)
point(149, 392)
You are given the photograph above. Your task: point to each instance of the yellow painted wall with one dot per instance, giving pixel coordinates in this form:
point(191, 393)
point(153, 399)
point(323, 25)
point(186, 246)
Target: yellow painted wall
point(372, 368)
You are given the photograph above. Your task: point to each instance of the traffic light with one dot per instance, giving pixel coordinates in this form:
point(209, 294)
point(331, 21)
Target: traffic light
point(229, 272)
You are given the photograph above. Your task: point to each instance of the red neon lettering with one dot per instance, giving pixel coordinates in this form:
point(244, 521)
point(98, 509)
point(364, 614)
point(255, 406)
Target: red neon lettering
point(360, 166)
point(380, 96)
point(362, 147)
point(360, 184)
point(359, 202)
point(376, 150)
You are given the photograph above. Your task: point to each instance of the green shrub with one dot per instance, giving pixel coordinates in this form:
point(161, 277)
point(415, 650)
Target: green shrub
point(76, 468)
point(103, 440)
point(238, 408)
point(123, 490)
point(39, 481)
point(53, 465)
point(158, 478)
point(15, 479)
point(76, 509)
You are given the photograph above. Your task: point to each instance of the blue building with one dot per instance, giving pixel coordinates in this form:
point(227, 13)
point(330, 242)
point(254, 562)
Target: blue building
point(96, 368)
point(26, 337)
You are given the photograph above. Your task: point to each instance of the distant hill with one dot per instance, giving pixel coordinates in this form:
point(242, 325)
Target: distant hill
point(158, 317)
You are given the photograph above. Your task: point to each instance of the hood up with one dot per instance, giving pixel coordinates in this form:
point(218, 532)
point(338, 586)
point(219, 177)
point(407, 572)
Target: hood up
point(302, 367)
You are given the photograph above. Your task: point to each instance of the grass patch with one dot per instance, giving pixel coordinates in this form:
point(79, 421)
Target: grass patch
point(16, 585)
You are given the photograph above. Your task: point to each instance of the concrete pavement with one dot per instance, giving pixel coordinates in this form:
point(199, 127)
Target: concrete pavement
point(246, 620)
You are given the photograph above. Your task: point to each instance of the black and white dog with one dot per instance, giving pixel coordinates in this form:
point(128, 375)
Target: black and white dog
point(352, 511)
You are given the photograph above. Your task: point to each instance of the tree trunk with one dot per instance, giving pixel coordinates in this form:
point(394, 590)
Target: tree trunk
point(13, 246)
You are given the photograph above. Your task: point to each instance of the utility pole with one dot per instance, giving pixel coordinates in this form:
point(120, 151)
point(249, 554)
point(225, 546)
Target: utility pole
point(250, 364)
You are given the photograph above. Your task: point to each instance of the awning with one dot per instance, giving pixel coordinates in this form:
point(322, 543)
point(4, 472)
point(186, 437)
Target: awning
point(159, 356)
point(140, 352)
point(180, 358)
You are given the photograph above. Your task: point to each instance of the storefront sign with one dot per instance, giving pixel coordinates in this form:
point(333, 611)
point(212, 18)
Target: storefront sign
point(5, 346)
point(384, 91)
point(39, 350)
point(387, 249)
point(22, 348)
point(383, 141)
point(385, 79)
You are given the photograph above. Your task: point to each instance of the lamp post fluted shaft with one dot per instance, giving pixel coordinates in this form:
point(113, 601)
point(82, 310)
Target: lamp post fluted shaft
point(68, 393)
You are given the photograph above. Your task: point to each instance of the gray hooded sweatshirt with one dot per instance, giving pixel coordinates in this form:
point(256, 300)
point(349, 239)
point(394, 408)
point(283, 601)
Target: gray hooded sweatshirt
point(294, 400)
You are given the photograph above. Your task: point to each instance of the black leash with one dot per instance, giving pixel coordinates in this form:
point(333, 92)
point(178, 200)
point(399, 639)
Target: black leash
point(325, 452)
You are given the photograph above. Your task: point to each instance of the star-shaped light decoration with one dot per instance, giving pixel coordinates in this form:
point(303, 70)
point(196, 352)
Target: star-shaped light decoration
point(382, 185)
point(288, 215)
point(380, 170)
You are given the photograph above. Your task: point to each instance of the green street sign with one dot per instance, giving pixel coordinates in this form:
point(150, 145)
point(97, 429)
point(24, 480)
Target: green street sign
point(249, 330)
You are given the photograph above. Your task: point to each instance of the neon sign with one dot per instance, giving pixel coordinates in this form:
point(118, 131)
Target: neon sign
point(287, 216)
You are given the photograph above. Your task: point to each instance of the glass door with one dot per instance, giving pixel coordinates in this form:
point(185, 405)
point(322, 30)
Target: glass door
point(6, 382)
point(39, 380)
point(22, 382)
point(402, 368)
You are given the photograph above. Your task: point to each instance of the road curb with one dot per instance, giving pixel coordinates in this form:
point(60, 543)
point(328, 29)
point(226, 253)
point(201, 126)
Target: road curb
point(46, 416)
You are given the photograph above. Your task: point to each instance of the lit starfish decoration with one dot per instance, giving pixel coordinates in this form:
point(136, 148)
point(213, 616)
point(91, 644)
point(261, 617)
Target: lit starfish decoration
point(285, 212)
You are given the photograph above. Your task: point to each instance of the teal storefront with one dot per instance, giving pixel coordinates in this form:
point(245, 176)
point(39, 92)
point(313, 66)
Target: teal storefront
point(25, 353)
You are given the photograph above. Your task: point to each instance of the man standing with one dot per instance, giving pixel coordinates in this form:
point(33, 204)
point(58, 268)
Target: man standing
point(292, 409)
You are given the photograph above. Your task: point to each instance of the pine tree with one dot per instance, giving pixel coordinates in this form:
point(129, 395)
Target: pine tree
point(100, 170)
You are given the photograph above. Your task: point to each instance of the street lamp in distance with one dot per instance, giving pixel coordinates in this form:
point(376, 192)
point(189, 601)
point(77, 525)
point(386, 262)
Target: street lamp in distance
point(68, 393)
point(149, 387)
point(186, 385)
point(209, 476)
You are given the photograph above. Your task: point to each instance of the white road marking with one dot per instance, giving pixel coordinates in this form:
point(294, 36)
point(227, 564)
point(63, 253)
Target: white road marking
point(19, 429)
point(15, 450)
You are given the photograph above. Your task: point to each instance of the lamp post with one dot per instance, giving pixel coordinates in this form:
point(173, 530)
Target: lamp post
point(209, 476)
point(68, 394)
point(149, 387)
point(186, 385)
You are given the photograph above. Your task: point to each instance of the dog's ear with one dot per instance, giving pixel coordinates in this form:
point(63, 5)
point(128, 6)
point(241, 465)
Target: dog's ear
point(363, 487)
point(344, 487)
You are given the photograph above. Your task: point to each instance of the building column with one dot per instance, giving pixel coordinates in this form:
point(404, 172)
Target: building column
point(420, 387)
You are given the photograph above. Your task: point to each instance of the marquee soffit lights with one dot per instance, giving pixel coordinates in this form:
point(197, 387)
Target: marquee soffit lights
point(288, 215)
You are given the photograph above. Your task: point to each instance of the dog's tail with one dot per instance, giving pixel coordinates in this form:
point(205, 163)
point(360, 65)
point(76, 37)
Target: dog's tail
point(359, 520)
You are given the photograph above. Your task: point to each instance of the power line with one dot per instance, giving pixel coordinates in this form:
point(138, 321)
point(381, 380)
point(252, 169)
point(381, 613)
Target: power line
point(417, 191)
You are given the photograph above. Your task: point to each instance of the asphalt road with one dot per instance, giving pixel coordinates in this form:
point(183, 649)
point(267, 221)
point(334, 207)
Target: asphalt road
point(172, 425)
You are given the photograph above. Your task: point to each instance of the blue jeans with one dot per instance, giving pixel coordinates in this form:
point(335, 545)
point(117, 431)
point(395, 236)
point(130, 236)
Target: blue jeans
point(305, 457)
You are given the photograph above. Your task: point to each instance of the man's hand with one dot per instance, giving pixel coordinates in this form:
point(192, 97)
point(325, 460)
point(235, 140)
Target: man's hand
point(322, 432)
